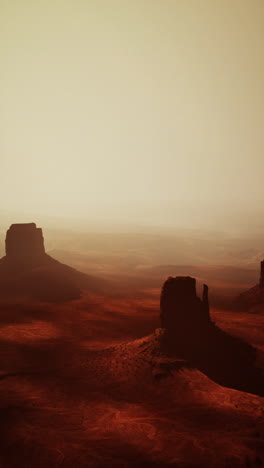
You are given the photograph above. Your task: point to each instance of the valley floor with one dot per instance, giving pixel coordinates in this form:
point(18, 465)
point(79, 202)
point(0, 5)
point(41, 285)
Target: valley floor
point(80, 387)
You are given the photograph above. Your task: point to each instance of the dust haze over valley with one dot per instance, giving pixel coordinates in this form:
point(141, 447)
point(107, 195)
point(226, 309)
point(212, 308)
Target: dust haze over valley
point(131, 234)
point(88, 382)
point(132, 131)
point(139, 257)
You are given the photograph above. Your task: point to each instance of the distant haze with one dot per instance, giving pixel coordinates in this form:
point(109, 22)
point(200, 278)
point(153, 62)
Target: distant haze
point(133, 111)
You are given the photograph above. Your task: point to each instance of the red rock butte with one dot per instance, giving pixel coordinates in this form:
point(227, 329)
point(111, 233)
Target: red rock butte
point(253, 298)
point(180, 306)
point(24, 242)
point(28, 271)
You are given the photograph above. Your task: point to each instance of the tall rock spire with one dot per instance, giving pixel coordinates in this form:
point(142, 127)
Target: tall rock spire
point(261, 281)
point(206, 305)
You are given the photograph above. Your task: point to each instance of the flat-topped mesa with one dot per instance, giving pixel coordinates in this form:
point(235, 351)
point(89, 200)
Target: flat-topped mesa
point(261, 280)
point(180, 306)
point(24, 242)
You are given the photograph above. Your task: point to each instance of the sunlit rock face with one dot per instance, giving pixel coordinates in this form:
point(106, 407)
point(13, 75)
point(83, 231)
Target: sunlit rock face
point(25, 243)
point(180, 306)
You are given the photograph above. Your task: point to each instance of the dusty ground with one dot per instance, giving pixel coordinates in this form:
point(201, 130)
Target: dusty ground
point(68, 402)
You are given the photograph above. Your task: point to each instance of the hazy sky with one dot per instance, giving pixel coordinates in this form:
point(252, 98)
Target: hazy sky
point(143, 110)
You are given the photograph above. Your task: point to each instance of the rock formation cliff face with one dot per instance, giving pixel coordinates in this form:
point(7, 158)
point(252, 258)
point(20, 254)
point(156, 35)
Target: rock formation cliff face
point(189, 333)
point(253, 299)
point(180, 306)
point(27, 271)
point(25, 243)
point(261, 280)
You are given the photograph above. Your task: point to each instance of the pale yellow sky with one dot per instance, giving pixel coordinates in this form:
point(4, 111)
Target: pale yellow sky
point(132, 110)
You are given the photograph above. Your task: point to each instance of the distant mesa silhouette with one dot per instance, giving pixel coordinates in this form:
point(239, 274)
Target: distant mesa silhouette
point(28, 271)
point(253, 299)
point(189, 333)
